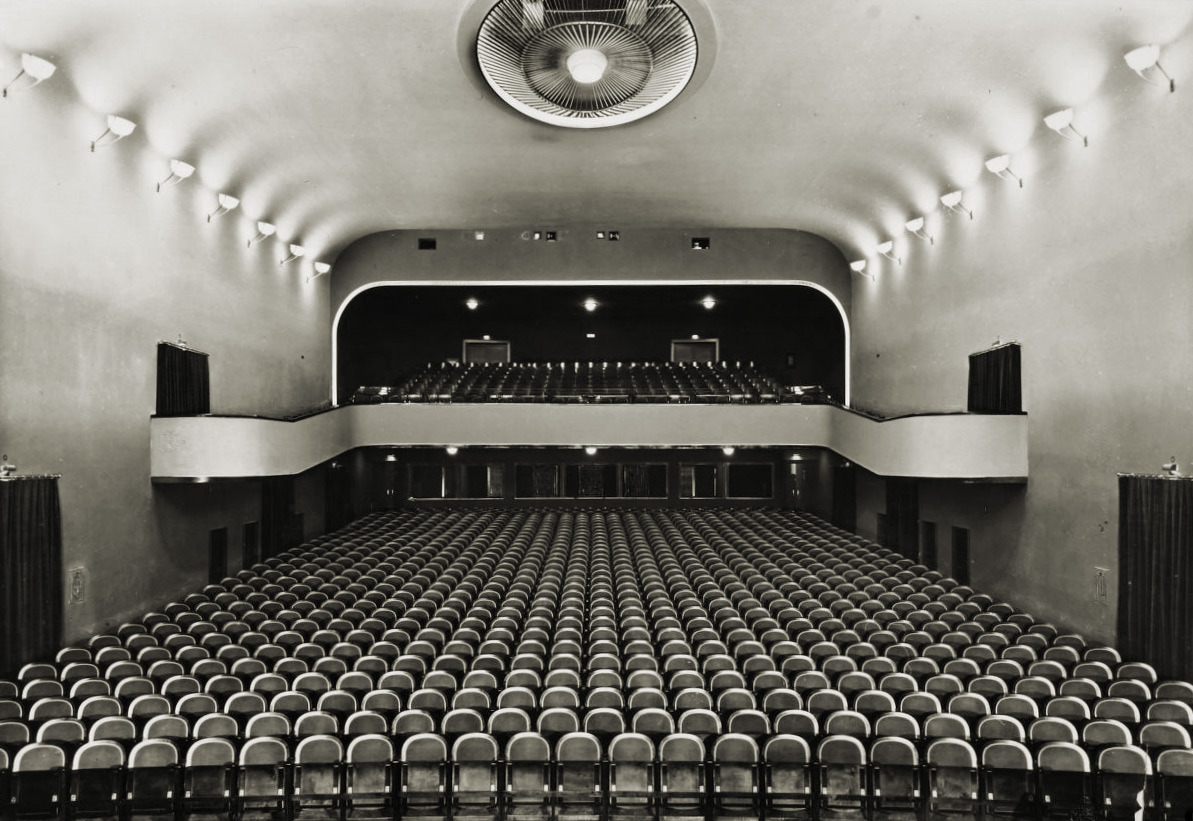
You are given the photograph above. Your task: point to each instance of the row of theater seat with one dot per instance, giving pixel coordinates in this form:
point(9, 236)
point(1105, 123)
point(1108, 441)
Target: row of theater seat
point(588, 382)
point(578, 777)
point(653, 624)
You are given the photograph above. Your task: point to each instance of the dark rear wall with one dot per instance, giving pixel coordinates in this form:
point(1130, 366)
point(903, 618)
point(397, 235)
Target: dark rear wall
point(793, 332)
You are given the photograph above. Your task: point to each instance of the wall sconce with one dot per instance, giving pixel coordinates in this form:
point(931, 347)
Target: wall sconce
point(471, 303)
point(709, 303)
point(118, 128)
point(1000, 167)
point(915, 227)
point(179, 171)
point(858, 266)
point(887, 249)
point(1147, 57)
point(590, 450)
point(226, 203)
point(952, 201)
point(728, 451)
point(590, 305)
point(1062, 123)
point(33, 71)
point(321, 268)
point(296, 252)
point(264, 231)
point(452, 450)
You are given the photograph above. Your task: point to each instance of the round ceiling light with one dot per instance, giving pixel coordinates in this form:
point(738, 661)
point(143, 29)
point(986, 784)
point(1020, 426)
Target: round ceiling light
point(583, 65)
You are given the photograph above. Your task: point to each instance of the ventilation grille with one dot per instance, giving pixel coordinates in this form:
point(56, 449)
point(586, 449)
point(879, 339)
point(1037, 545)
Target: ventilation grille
point(523, 46)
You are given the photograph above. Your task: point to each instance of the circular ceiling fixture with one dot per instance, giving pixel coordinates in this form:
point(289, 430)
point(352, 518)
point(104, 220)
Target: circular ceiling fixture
point(587, 63)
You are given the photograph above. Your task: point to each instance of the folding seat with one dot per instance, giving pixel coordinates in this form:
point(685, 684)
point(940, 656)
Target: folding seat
point(943, 686)
point(604, 723)
point(151, 779)
point(475, 775)
point(631, 773)
point(314, 724)
point(208, 778)
point(318, 772)
point(577, 784)
point(527, 777)
point(1037, 688)
point(38, 782)
point(172, 728)
point(787, 761)
point(117, 729)
point(67, 733)
point(969, 706)
point(1065, 781)
point(1005, 669)
point(365, 722)
point(898, 684)
point(262, 780)
point(1157, 736)
point(654, 723)
point(952, 776)
point(264, 725)
point(97, 780)
point(847, 723)
point(1181, 691)
point(13, 736)
point(506, 722)
point(919, 705)
point(824, 702)
point(1083, 688)
point(243, 706)
point(215, 725)
point(1136, 671)
point(97, 707)
point(1102, 733)
point(735, 760)
point(894, 775)
point(843, 765)
point(1124, 776)
point(1008, 779)
point(1000, 728)
point(291, 704)
point(752, 723)
point(1174, 784)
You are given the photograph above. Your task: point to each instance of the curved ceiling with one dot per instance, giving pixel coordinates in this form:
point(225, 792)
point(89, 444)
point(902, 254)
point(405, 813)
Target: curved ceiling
point(338, 119)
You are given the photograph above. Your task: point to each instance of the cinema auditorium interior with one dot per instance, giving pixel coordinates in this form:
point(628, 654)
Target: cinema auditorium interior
point(569, 410)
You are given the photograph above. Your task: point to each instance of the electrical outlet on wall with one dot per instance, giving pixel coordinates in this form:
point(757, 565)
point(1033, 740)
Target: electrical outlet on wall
point(76, 584)
point(1102, 585)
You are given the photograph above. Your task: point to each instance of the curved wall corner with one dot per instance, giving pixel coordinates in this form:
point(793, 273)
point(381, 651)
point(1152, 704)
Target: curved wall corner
point(654, 256)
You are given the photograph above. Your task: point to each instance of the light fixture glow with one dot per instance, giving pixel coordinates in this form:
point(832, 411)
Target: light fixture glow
point(179, 171)
point(33, 67)
point(1062, 122)
point(587, 65)
point(590, 336)
point(227, 202)
point(952, 201)
point(472, 303)
point(590, 305)
point(452, 450)
point(887, 249)
point(478, 235)
point(1000, 167)
point(709, 303)
point(590, 450)
point(915, 227)
point(296, 251)
point(118, 128)
point(858, 266)
point(321, 268)
point(1146, 57)
point(728, 451)
point(264, 230)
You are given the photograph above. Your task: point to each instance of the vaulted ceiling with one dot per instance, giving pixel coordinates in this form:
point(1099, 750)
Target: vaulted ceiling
point(338, 118)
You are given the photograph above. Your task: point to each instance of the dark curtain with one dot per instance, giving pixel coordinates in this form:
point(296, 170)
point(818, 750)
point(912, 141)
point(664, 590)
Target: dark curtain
point(995, 381)
point(592, 481)
point(903, 516)
point(277, 512)
point(635, 480)
point(183, 382)
point(1155, 594)
point(31, 581)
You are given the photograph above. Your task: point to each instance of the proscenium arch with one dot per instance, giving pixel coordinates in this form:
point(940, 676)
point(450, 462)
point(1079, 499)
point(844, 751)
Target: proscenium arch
point(335, 325)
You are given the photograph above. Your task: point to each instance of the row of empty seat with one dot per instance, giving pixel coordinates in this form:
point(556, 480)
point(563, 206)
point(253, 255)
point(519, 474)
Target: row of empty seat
point(684, 662)
point(588, 382)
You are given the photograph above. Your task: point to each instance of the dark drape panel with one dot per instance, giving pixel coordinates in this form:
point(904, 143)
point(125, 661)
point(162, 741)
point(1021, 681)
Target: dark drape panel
point(995, 381)
point(183, 381)
point(1155, 596)
point(31, 577)
point(903, 516)
point(277, 511)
